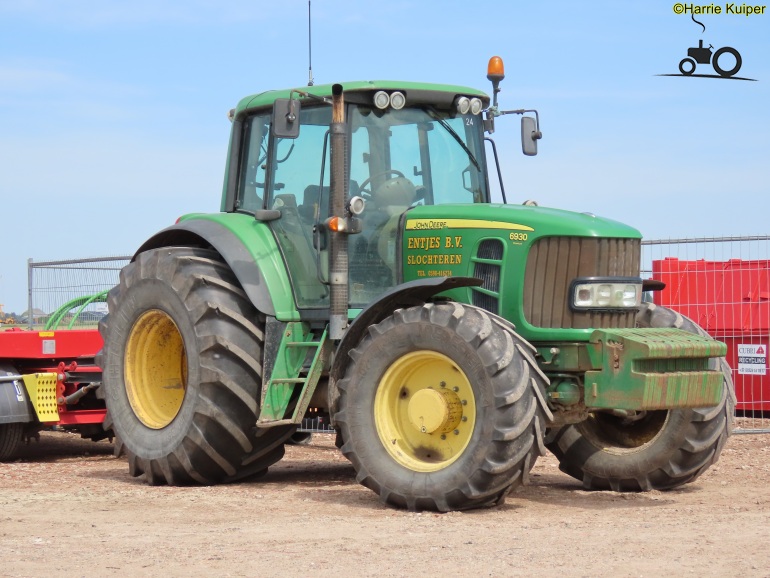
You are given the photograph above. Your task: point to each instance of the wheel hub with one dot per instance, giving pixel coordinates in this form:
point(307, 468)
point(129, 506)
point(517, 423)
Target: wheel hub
point(435, 411)
point(425, 411)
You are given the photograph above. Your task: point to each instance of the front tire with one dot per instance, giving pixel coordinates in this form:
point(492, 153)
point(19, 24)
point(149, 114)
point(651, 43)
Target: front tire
point(654, 450)
point(441, 408)
point(687, 66)
point(182, 371)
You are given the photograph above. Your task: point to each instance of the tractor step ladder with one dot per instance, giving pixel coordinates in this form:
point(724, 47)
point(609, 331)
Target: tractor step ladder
point(288, 373)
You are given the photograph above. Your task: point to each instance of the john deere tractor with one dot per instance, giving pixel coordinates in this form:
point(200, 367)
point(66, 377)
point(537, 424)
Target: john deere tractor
point(359, 268)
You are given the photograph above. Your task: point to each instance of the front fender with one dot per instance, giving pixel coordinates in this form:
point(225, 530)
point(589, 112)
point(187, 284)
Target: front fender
point(248, 247)
point(405, 295)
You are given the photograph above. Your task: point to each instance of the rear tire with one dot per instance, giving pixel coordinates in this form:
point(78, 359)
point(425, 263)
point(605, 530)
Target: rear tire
point(736, 67)
point(441, 408)
point(182, 371)
point(656, 450)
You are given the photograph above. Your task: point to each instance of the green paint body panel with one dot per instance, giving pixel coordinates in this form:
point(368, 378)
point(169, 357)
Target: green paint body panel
point(442, 240)
point(647, 369)
point(260, 242)
point(564, 357)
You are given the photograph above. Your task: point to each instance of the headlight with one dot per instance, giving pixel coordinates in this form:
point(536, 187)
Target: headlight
point(597, 293)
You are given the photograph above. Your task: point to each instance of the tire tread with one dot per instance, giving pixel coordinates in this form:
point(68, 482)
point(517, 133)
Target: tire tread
point(517, 410)
point(228, 335)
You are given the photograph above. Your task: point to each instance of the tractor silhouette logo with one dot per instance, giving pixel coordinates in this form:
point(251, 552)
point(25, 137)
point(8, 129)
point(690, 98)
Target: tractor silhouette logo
point(702, 55)
point(725, 61)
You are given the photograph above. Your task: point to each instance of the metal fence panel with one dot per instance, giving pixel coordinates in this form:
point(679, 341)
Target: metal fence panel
point(723, 284)
point(53, 284)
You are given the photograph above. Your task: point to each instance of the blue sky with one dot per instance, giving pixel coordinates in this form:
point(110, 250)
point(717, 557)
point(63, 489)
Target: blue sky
point(113, 114)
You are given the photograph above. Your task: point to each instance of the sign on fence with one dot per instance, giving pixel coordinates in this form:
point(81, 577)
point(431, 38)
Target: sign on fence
point(752, 359)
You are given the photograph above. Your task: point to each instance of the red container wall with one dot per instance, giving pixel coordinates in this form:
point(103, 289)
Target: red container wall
point(729, 295)
point(730, 300)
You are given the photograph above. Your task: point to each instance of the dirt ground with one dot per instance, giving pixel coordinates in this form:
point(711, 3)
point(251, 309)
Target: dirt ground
point(69, 508)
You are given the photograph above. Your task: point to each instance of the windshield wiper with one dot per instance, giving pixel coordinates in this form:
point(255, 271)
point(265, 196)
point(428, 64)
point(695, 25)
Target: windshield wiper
point(435, 116)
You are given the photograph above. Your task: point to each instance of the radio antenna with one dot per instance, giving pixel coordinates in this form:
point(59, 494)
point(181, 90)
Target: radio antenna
point(309, 48)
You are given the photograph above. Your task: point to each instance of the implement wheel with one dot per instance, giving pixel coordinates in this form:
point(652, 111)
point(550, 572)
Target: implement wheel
point(653, 450)
point(11, 435)
point(182, 370)
point(440, 408)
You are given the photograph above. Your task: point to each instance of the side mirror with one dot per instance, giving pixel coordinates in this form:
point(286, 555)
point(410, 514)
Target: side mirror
point(530, 134)
point(286, 118)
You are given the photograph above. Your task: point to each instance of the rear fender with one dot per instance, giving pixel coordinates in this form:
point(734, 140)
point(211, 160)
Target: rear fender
point(248, 247)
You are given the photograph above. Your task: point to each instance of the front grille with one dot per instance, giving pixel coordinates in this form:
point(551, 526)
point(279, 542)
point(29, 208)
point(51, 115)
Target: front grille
point(490, 249)
point(487, 267)
point(554, 262)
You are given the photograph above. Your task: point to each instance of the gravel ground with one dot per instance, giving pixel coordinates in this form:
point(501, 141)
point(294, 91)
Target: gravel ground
point(69, 508)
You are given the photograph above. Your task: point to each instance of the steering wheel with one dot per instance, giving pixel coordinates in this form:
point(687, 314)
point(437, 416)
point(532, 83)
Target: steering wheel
point(362, 187)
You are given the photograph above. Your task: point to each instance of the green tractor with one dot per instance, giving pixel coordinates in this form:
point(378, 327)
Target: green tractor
point(359, 269)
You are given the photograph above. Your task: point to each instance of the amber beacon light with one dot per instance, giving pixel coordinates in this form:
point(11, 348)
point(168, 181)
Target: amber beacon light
point(495, 69)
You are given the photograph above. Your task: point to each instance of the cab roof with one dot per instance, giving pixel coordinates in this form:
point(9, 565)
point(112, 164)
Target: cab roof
point(415, 92)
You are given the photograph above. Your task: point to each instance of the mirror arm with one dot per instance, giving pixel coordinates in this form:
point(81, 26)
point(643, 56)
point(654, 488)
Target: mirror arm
point(537, 134)
point(309, 95)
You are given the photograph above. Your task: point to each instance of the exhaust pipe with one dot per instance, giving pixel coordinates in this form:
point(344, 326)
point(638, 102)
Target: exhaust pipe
point(338, 243)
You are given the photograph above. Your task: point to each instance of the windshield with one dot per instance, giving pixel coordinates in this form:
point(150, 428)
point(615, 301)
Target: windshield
point(400, 159)
point(436, 153)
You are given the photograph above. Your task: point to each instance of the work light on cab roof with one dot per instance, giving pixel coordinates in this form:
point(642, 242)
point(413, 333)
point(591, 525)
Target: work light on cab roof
point(464, 105)
point(383, 100)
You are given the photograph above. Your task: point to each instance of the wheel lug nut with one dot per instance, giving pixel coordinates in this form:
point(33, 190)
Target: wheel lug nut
point(457, 432)
point(443, 384)
point(455, 389)
point(443, 437)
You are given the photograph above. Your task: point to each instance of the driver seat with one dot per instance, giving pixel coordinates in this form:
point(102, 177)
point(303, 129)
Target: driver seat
point(392, 198)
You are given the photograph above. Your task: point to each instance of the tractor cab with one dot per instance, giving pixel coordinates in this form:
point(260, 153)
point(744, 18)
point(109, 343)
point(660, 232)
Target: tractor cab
point(405, 145)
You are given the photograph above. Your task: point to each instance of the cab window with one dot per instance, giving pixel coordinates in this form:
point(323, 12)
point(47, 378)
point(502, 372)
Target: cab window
point(251, 179)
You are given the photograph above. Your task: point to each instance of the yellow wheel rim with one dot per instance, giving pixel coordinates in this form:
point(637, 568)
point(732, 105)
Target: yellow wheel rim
point(155, 369)
point(424, 411)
